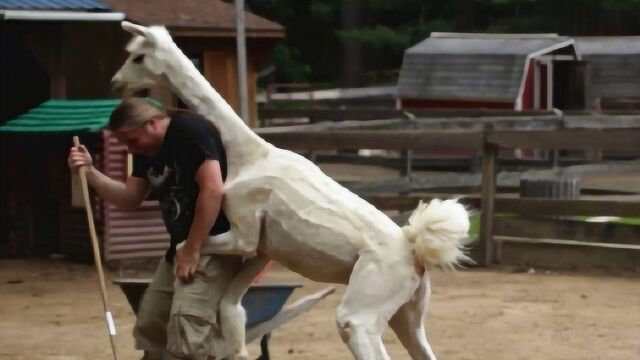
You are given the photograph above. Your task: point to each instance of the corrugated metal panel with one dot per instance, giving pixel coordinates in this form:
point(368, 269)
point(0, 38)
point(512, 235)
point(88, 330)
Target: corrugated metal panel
point(615, 65)
point(53, 5)
point(466, 68)
point(130, 234)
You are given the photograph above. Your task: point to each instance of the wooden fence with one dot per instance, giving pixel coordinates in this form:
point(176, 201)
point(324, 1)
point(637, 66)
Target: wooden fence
point(495, 230)
point(314, 115)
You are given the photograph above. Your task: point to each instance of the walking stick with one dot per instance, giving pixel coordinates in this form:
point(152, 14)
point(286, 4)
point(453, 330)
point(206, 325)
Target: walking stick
point(111, 328)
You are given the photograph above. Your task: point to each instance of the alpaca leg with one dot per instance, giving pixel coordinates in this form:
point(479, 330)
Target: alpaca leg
point(408, 325)
point(232, 314)
point(376, 290)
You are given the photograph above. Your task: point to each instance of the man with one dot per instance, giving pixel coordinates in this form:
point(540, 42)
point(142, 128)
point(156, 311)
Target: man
point(181, 159)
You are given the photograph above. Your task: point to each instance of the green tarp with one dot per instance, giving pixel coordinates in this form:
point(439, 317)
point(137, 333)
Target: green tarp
point(58, 115)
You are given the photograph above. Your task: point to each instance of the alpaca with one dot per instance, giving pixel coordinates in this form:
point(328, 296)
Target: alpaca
point(283, 207)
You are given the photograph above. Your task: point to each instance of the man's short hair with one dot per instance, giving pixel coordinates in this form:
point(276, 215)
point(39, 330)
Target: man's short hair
point(133, 112)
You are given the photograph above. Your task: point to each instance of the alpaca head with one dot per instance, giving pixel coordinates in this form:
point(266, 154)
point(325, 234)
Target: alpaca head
point(145, 65)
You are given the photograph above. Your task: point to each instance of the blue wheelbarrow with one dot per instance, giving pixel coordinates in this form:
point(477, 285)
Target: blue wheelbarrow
point(264, 304)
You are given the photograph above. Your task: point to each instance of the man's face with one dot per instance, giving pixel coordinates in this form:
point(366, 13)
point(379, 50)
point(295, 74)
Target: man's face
point(143, 139)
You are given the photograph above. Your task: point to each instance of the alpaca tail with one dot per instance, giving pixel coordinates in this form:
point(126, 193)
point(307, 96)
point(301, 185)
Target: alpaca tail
point(438, 231)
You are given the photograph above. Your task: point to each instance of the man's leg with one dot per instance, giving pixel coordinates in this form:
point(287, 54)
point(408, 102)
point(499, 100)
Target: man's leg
point(194, 331)
point(150, 331)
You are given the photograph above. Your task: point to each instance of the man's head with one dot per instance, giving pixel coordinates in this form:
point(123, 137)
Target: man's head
point(140, 125)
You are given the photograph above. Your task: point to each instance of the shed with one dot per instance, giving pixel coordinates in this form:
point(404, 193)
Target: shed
point(38, 216)
point(205, 30)
point(56, 49)
point(500, 71)
point(614, 62)
point(71, 48)
point(52, 51)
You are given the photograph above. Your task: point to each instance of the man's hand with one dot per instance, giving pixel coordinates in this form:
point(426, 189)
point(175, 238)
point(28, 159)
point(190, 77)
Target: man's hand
point(78, 157)
point(186, 262)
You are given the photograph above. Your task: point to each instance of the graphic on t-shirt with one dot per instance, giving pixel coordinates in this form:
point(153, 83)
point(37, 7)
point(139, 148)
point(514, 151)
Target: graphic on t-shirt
point(157, 180)
point(175, 203)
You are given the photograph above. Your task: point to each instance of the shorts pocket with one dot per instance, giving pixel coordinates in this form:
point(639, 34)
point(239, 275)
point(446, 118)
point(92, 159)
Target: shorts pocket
point(193, 332)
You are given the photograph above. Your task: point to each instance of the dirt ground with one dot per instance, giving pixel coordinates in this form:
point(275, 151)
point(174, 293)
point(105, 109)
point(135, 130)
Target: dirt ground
point(51, 310)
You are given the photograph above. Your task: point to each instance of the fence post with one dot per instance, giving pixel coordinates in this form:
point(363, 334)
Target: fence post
point(407, 154)
point(487, 249)
point(407, 157)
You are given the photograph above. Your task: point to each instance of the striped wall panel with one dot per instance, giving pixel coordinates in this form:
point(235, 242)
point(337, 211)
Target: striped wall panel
point(129, 234)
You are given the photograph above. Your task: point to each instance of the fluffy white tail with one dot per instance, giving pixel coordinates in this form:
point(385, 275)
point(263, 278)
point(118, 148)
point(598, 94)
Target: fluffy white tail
point(438, 231)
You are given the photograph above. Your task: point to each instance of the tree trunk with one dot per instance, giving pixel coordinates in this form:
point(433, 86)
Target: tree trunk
point(352, 59)
point(464, 15)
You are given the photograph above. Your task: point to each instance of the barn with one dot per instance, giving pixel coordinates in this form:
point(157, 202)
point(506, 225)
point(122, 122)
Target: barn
point(493, 71)
point(614, 63)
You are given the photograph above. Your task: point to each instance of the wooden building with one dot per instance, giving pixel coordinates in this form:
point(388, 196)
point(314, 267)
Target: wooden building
point(614, 64)
point(74, 51)
point(68, 51)
point(37, 214)
point(205, 30)
point(495, 71)
point(56, 49)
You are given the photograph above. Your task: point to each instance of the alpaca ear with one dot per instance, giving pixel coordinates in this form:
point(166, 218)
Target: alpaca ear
point(145, 32)
point(134, 29)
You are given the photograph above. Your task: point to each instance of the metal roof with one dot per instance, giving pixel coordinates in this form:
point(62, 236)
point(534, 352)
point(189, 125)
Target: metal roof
point(488, 44)
point(53, 5)
point(615, 65)
point(55, 116)
point(471, 66)
point(608, 45)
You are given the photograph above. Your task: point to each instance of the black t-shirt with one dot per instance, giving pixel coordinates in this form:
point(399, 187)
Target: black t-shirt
point(189, 140)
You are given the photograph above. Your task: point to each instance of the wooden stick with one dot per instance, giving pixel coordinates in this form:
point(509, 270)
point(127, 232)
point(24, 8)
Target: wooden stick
point(111, 328)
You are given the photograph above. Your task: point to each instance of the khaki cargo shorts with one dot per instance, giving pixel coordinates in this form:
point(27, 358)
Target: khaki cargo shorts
point(183, 318)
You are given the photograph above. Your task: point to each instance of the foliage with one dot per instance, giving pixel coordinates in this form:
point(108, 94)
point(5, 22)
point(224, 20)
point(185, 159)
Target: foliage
point(317, 31)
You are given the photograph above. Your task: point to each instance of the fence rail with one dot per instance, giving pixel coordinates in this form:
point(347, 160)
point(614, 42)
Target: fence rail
point(586, 139)
point(375, 139)
point(489, 142)
point(315, 115)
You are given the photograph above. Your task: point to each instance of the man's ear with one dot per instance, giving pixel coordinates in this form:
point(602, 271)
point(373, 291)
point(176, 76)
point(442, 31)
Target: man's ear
point(151, 123)
point(154, 122)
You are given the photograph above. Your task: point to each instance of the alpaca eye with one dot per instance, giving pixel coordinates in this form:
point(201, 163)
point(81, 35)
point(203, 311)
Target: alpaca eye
point(138, 59)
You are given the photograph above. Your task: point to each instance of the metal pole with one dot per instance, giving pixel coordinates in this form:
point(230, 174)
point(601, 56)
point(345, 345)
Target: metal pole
point(242, 61)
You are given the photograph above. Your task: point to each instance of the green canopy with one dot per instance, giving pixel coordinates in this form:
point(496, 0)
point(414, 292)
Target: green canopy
point(63, 116)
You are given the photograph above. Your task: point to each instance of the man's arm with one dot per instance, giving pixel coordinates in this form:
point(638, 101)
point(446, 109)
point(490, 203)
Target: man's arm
point(127, 195)
point(208, 204)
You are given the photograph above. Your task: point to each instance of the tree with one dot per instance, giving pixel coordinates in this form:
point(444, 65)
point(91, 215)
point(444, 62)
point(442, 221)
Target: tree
point(375, 33)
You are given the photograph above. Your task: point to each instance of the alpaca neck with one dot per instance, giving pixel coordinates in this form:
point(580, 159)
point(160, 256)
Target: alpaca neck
point(242, 145)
